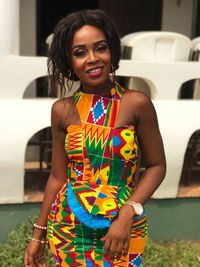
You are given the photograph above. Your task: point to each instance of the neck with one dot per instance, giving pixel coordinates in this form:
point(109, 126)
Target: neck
point(103, 90)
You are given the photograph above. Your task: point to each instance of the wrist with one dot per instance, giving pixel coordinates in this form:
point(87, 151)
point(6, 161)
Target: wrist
point(136, 207)
point(38, 234)
point(40, 231)
point(126, 212)
point(37, 226)
point(40, 241)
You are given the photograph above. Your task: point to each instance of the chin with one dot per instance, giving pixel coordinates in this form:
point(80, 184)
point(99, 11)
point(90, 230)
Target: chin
point(98, 82)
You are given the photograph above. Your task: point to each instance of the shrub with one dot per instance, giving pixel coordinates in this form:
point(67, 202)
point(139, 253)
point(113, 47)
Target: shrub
point(172, 254)
point(162, 254)
point(12, 252)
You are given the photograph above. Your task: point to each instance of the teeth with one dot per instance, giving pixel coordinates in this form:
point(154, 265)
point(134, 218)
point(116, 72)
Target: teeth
point(96, 70)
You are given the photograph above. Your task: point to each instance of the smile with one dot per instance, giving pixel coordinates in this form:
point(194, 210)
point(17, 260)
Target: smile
point(95, 72)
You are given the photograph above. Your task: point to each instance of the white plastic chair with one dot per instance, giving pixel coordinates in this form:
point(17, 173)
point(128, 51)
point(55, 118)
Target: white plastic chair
point(196, 57)
point(158, 46)
point(154, 46)
point(49, 40)
point(196, 43)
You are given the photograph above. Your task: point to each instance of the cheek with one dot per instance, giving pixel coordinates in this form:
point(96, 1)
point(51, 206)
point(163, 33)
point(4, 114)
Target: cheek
point(107, 59)
point(108, 56)
point(77, 65)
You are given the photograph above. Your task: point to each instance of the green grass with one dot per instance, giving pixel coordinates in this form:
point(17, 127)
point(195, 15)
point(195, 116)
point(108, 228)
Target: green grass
point(172, 254)
point(157, 254)
point(12, 252)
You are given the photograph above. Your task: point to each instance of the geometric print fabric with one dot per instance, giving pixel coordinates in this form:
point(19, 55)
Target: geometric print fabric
point(103, 158)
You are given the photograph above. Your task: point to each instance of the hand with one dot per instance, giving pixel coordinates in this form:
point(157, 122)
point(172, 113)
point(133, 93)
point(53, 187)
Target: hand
point(118, 236)
point(34, 255)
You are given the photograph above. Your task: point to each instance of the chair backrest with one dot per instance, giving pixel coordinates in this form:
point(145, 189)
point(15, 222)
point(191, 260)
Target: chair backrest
point(196, 43)
point(196, 49)
point(49, 40)
point(158, 46)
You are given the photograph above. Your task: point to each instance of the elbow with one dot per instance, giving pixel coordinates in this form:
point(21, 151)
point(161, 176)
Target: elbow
point(163, 170)
point(157, 170)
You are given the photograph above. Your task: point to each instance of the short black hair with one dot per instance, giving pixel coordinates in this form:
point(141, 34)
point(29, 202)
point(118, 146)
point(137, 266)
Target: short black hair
point(59, 52)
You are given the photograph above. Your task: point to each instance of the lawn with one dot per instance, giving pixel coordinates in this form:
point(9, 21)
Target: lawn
point(157, 254)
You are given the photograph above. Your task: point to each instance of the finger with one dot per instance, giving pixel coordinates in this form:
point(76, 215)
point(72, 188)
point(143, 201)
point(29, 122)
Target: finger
point(31, 261)
point(124, 252)
point(103, 238)
point(119, 250)
point(106, 248)
point(113, 250)
point(39, 260)
point(28, 260)
point(125, 249)
point(40, 263)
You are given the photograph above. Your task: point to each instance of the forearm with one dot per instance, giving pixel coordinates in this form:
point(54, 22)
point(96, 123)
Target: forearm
point(148, 183)
point(144, 189)
point(51, 190)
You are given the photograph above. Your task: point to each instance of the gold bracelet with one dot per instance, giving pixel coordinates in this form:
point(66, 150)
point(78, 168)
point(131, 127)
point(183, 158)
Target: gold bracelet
point(39, 241)
point(39, 226)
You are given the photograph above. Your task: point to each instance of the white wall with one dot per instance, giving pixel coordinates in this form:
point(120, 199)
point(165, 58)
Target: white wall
point(9, 27)
point(177, 16)
point(28, 27)
point(28, 35)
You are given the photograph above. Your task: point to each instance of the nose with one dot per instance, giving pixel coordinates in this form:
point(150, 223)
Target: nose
point(92, 57)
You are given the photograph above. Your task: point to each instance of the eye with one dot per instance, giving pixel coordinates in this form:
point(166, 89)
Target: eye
point(79, 52)
point(101, 48)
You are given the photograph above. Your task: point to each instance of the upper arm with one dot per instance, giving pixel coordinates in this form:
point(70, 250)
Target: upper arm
point(59, 157)
point(148, 132)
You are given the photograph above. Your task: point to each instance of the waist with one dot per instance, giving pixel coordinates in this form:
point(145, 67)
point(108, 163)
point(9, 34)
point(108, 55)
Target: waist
point(94, 183)
point(119, 192)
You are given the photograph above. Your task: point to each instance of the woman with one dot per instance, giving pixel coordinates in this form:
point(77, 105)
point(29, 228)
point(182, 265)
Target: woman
point(92, 203)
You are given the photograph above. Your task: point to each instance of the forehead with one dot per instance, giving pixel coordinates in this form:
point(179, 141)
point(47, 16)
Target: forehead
point(88, 34)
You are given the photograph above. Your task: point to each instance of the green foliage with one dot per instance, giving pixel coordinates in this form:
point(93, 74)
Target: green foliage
point(165, 254)
point(173, 254)
point(12, 252)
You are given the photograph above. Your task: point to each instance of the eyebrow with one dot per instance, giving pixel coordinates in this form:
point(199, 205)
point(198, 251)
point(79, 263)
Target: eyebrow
point(83, 45)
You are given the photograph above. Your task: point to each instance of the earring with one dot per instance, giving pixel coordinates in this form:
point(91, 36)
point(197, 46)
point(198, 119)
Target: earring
point(112, 74)
point(69, 80)
point(70, 74)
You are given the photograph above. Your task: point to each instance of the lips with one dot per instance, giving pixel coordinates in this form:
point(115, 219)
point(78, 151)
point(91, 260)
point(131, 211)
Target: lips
point(94, 72)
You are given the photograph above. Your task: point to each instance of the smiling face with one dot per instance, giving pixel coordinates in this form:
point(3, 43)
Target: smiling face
point(91, 57)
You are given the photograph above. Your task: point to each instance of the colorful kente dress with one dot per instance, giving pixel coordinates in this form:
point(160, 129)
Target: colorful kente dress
point(102, 163)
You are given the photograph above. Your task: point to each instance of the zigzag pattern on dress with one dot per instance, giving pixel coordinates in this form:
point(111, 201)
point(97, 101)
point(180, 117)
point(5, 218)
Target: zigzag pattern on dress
point(95, 141)
point(63, 242)
point(102, 162)
point(139, 229)
point(96, 199)
point(74, 143)
point(100, 134)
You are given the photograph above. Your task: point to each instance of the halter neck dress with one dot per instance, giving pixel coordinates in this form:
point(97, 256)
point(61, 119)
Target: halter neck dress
point(100, 178)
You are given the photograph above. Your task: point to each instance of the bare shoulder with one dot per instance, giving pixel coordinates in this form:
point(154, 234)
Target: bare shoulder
point(60, 110)
point(137, 98)
point(61, 104)
point(139, 104)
